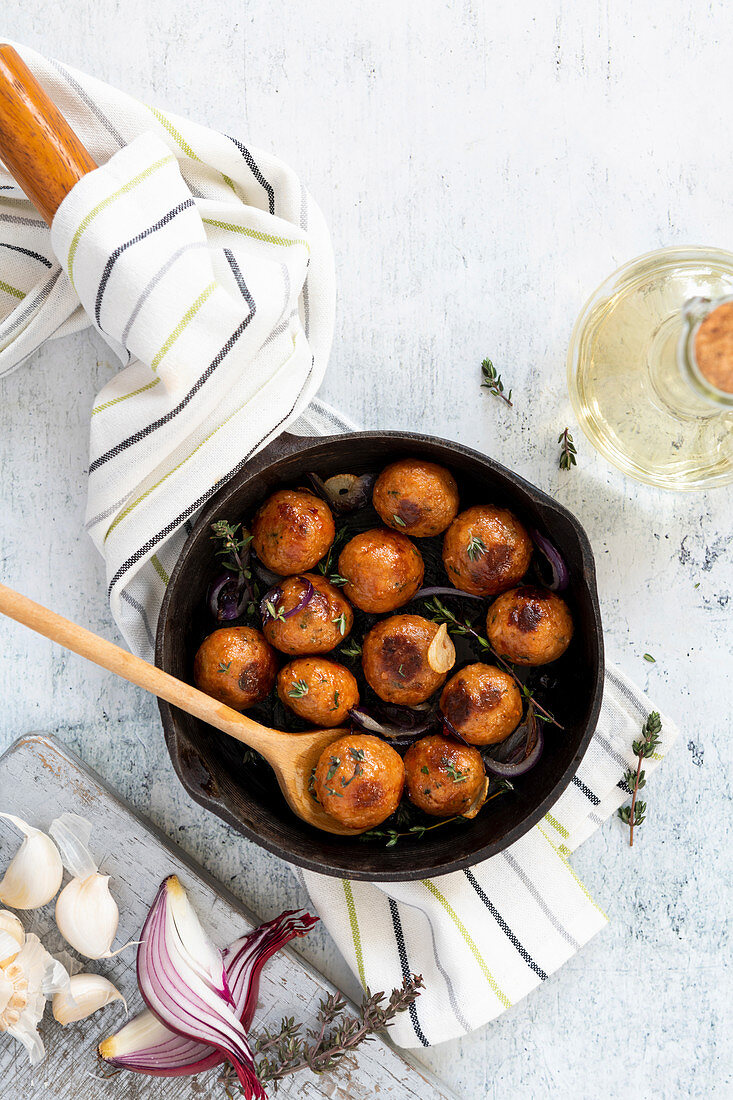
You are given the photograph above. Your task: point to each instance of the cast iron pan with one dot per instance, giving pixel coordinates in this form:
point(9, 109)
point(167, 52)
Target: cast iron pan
point(210, 765)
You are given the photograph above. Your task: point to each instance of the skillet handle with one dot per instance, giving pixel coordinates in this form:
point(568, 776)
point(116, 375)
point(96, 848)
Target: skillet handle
point(37, 145)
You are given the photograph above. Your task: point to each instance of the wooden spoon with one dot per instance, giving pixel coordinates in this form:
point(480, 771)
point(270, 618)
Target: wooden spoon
point(292, 756)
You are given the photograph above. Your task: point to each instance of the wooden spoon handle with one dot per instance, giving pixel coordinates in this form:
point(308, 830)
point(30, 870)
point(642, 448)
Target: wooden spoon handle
point(132, 668)
point(37, 145)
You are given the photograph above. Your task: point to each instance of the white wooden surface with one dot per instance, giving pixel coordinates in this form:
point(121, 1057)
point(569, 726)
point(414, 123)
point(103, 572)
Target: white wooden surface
point(39, 778)
point(483, 167)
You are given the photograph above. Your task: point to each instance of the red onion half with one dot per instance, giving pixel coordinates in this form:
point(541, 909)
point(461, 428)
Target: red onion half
point(560, 577)
point(183, 982)
point(145, 1045)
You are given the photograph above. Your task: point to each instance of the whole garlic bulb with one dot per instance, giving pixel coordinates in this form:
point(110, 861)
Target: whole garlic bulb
point(34, 874)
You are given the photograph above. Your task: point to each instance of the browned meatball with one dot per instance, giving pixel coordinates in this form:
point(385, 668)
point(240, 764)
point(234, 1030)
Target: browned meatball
point(443, 777)
point(359, 780)
point(324, 621)
point(320, 691)
point(530, 626)
point(486, 550)
point(236, 666)
point(383, 570)
point(482, 703)
point(292, 531)
point(417, 497)
point(395, 659)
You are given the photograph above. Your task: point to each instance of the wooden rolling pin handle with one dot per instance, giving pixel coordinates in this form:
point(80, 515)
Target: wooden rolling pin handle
point(37, 145)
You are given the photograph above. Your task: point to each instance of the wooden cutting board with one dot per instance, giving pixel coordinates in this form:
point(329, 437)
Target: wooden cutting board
point(40, 779)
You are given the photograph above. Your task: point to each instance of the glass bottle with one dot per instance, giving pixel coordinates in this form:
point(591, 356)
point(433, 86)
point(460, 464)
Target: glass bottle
point(650, 368)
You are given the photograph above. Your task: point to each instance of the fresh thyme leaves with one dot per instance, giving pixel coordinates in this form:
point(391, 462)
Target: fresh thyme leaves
point(455, 773)
point(340, 622)
point(284, 1051)
point(356, 754)
point(644, 748)
point(224, 666)
point(275, 612)
point(401, 671)
point(232, 546)
point(298, 690)
point(335, 701)
point(425, 769)
point(398, 520)
point(324, 565)
point(333, 768)
point(476, 547)
point(439, 613)
point(337, 580)
point(350, 649)
point(648, 657)
point(392, 836)
point(312, 785)
point(567, 449)
point(493, 383)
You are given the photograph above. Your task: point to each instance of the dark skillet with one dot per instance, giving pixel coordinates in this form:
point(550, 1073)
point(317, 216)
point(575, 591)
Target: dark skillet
point(210, 765)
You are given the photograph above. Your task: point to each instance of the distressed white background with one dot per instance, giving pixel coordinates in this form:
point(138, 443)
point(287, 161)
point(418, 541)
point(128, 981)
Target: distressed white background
point(482, 167)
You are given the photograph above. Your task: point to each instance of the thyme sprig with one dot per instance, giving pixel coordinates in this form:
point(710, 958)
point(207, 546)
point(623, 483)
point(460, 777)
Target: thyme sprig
point(337, 1033)
point(232, 546)
point(441, 614)
point(567, 449)
point(493, 383)
point(392, 836)
point(644, 748)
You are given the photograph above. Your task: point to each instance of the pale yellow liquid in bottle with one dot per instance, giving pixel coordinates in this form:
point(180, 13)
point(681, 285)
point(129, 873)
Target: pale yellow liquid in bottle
point(629, 391)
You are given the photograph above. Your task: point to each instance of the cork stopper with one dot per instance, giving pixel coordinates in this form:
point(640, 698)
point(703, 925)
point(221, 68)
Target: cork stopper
point(714, 347)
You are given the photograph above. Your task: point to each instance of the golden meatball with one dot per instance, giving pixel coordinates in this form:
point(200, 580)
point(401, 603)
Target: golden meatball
point(482, 703)
point(359, 780)
point(530, 626)
point(395, 659)
point(320, 691)
point(417, 497)
point(443, 777)
point(292, 531)
point(324, 621)
point(383, 570)
point(236, 666)
point(486, 550)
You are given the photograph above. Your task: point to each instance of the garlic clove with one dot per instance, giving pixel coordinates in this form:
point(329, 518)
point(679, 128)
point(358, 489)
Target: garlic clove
point(478, 801)
point(12, 936)
point(441, 651)
point(87, 916)
point(87, 993)
point(71, 833)
point(34, 874)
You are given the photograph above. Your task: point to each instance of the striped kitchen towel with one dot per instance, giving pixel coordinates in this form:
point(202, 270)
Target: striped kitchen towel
point(484, 938)
point(207, 268)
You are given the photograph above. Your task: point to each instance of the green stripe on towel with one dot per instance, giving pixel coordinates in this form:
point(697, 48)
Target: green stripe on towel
point(355, 933)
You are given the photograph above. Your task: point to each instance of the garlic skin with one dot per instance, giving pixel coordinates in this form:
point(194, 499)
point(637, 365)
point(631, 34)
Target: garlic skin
point(34, 874)
point(12, 936)
point(87, 916)
point(87, 993)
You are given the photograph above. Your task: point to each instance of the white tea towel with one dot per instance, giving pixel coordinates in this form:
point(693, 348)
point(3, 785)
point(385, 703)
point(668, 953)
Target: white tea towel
point(208, 269)
point(484, 938)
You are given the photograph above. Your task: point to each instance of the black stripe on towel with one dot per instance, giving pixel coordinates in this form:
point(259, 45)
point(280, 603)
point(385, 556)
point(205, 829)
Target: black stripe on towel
point(185, 205)
point(405, 964)
point(131, 440)
point(592, 798)
point(27, 252)
point(189, 511)
point(251, 164)
point(505, 927)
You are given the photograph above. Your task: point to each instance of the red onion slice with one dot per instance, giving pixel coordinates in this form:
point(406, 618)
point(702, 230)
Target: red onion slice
point(558, 568)
point(227, 596)
point(183, 982)
point(145, 1045)
point(275, 595)
point(441, 590)
point(398, 733)
point(524, 758)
